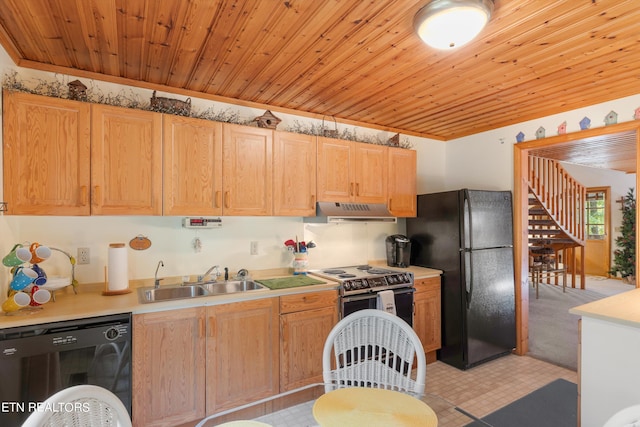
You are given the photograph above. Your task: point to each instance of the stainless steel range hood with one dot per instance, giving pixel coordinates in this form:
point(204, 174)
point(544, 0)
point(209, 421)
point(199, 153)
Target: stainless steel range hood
point(336, 212)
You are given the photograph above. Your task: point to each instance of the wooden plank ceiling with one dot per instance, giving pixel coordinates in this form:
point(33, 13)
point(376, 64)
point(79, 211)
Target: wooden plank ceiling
point(615, 151)
point(358, 61)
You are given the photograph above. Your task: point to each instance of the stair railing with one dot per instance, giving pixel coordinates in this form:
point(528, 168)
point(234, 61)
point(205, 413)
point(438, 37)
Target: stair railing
point(560, 194)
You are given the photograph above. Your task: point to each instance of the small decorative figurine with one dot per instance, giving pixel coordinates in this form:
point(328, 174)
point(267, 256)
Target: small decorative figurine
point(394, 141)
point(611, 118)
point(161, 104)
point(636, 114)
point(267, 120)
point(77, 91)
point(585, 123)
point(540, 132)
point(520, 137)
point(562, 129)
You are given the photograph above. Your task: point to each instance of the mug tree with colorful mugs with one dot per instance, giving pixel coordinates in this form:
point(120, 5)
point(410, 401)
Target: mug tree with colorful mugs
point(24, 290)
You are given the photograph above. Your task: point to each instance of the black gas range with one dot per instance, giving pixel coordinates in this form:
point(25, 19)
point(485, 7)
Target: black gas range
point(361, 279)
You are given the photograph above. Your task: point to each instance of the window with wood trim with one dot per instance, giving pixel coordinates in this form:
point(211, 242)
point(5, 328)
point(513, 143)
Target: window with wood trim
point(596, 215)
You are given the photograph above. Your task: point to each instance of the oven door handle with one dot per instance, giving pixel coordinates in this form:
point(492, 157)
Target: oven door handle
point(372, 295)
point(359, 297)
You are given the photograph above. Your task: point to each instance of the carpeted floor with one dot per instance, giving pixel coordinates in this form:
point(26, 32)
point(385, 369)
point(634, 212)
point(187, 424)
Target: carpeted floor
point(554, 404)
point(553, 332)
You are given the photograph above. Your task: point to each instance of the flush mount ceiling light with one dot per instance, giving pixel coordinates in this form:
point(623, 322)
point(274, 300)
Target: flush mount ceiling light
point(448, 24)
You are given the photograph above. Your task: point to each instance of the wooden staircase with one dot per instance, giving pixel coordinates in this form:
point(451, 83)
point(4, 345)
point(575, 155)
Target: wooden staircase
point(556, 222)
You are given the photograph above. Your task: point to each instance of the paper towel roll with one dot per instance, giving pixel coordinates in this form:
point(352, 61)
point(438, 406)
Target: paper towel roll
point(118, 272)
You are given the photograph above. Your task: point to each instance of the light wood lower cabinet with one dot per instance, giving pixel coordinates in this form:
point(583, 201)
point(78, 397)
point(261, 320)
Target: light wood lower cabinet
point(427, 317)
point(168, 369)
point(194, 362)
point(242, 353)
point(305, 322)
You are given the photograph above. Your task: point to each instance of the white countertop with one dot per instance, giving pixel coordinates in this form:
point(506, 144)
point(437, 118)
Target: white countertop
point(623, 309)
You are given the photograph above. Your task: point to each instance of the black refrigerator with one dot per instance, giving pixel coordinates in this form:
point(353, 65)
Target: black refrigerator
point(468, 234)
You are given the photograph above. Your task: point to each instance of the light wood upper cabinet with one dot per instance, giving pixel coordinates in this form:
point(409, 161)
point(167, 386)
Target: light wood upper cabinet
point(336, 167)
point(247, 169)
point(426, 319)
point(351, 171)
point(294, 174)
point(168, 367)
point(371, 176)
point(242, 345)
point(402, 182)
point(126, 161)
point(46, 155)
point(305, 322)
point(192, 172)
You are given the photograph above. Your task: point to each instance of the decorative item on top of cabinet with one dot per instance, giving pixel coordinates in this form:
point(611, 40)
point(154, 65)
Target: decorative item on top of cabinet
point(330, 133)
point(267, 120)
point(394, 141)
point(427, 317)
point(77, 91)
point(161, 104)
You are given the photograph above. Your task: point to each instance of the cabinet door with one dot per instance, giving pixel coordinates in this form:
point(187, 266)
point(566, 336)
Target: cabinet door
point(301, 345)
point(192, 172)
point(294, 174)
point(46, 155)
point(336, 166)
point(126, 161)
point(370, 173)
point(168, 367)
point(247, 168)
point(402, 182)
point(426, 320)
point(242, 345)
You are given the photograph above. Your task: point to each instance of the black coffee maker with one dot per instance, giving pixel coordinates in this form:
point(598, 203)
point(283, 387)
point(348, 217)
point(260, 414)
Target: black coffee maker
point(398, 251)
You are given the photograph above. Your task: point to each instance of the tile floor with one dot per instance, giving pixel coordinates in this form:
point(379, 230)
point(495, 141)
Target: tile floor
point(485, 388)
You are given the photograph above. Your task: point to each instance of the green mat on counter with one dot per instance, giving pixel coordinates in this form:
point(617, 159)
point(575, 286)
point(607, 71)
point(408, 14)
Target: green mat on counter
point(290, 282)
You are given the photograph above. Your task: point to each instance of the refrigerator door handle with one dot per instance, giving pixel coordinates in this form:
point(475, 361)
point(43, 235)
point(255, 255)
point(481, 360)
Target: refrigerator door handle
point(467, 218)
point(468, 276)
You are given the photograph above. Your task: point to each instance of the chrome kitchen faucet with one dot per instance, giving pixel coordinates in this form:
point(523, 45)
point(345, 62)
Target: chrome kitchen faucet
point(215, 267)
point(156, 282)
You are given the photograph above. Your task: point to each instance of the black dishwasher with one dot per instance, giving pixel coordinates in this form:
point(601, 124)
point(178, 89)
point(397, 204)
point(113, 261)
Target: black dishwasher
point(38, 360)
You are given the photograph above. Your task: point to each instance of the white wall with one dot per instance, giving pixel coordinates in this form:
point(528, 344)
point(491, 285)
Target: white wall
point(485, 161)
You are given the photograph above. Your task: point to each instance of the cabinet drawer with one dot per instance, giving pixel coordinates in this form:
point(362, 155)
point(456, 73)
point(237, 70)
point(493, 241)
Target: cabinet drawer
point(307, 301)
point(429, 283)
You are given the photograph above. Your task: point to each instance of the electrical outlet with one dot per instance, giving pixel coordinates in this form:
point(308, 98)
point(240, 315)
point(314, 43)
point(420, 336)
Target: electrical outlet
point(83, 256)
point(254, 248)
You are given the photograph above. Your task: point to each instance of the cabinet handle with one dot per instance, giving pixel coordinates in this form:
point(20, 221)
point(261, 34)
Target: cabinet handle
point(313, 200)
point(201, 328)
point(83, 195)
point(390, 200)
point(351, 189)
point(217, 202)
point(226, 199)
point(212, 327)
point(96, 195)
point(357, 189)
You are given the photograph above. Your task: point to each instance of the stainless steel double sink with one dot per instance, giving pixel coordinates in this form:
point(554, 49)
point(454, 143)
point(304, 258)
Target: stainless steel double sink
point(194, 290)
